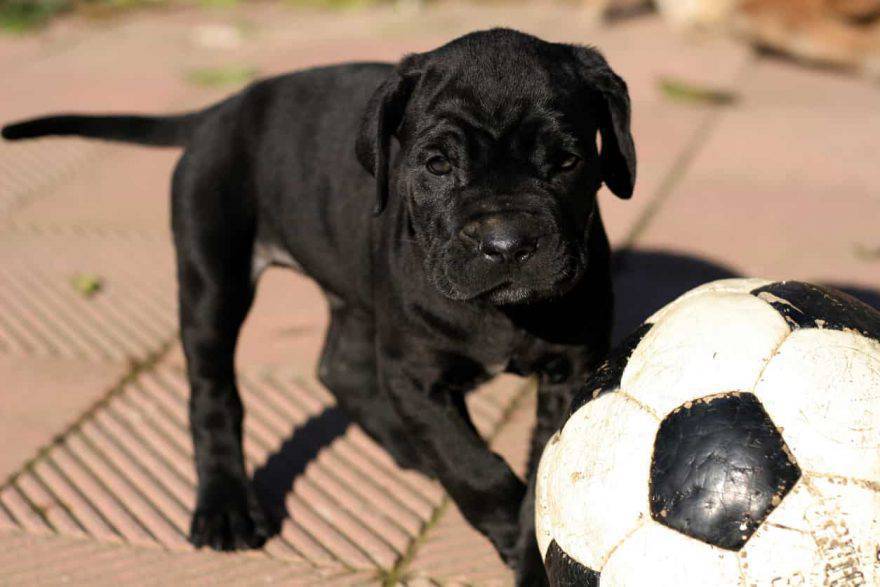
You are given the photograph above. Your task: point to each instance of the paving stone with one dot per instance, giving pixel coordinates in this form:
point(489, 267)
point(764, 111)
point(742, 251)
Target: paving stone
point(116, 188)
point(43, 313)
point(111, 501)
point(34, 168)
point(89, 74)
point(61, 348)
point(124, 474)
point(41, 396)
point(786, 186)
point(27, 559)
point(286, 324)
point(644, 52)
point(112, 69)
point(285, 327)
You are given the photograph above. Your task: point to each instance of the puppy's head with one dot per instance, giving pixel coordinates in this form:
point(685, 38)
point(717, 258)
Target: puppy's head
point(498, 164)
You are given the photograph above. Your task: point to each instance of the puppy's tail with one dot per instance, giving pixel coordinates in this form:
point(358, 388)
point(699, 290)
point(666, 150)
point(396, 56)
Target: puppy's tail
point(157, 131)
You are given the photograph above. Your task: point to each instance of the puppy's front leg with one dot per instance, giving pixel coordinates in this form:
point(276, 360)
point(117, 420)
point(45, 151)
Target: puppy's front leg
point(558, 380)
point(554, 398)
point(430, 402)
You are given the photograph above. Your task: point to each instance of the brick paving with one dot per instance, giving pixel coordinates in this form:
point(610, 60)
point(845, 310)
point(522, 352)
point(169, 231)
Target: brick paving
point(96, 482)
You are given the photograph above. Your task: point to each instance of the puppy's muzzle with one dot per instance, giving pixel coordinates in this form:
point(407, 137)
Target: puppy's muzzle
point(501, 239)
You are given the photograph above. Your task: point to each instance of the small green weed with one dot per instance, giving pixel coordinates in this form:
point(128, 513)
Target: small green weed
point(87, 284)
point(682, 91)
point(220, 77)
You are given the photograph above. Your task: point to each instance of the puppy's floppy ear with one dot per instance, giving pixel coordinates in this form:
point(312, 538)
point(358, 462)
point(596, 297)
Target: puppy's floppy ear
point(382, 118)
point(618, 157)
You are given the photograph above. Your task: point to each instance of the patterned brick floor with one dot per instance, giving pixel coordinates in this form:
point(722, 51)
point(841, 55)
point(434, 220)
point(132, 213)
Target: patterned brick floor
point(122, 474)
point(96, 478)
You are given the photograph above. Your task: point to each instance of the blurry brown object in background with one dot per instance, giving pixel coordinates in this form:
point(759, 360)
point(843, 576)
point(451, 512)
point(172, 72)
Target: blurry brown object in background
point(840, 33)
point(843, 33)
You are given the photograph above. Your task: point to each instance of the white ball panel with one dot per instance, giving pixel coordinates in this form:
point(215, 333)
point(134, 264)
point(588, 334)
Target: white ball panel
point(825, 532)
point(543, 498)
point(597, 492)
point(658, 556)
point(714, 343)
point(742, 285)
point(846, 526)
point(822, 389)
point(782, 550)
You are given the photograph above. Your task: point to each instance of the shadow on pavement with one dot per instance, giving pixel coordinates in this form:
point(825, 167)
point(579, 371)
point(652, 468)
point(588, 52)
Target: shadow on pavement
point(647, 280)
point(644, 281)
point(274, 479)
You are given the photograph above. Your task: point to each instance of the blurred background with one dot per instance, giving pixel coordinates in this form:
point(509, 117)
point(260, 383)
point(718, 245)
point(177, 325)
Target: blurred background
point(756, 125)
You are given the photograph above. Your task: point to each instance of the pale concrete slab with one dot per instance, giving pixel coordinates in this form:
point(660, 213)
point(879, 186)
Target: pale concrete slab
point(120, 188)
point(644, 52)
point(786, 186)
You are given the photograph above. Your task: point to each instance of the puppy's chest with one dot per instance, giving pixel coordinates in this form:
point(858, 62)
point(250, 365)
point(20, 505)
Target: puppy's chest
point(485, 340)
point(495, 350)
point(507, 349)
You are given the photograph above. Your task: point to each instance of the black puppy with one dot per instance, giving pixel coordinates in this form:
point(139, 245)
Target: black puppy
point(490, 255)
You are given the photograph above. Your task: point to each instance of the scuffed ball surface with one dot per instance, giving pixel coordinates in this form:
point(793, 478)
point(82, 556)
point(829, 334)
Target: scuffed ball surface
point(719, 468)
point(733, 439)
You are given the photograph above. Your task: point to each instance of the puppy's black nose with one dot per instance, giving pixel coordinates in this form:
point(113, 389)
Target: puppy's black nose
point(507, 248)
point(500, 242)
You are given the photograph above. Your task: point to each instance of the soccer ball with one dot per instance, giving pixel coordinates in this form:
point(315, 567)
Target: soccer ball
point(733, 439)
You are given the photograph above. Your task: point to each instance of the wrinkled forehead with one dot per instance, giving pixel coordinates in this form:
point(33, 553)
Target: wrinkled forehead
point(487, 89)
point(499, 92)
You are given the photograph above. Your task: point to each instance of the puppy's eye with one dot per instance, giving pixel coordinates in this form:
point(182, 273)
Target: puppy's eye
point(439, 165)
point(568, 162)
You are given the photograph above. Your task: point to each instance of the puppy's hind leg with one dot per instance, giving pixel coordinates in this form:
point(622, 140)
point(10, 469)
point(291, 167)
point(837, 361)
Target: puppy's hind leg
point(348, 369)
point(214, 233)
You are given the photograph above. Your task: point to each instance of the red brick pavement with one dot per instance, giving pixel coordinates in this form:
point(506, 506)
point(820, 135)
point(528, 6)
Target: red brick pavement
point(92, 427)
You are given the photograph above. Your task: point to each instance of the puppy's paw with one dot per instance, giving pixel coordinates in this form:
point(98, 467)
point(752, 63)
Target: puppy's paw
point(228, 516)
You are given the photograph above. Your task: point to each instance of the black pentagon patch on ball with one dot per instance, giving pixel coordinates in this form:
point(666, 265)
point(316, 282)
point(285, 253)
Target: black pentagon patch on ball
point(720, 466)
point(564, 571)
point(607, 377)
point(804, 305)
